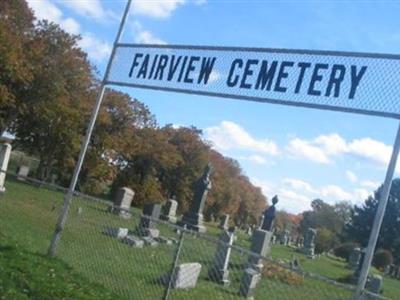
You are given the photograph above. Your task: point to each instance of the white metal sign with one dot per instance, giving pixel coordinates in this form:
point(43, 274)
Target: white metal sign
point(354, 82)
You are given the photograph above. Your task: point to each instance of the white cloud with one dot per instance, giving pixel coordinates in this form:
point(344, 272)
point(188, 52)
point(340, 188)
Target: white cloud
point(296, 195)
point(143, 36)
point(257, 159)
point(88, 8)
point(351, 176)
point(298, 148)
point(298, 184)
point(360, 195)
point(97, 50)
point(229, 135)
point(160, 9)
point(323, 148)
point(333, 193)
point(371, 149)
point(372, 185)
point(332, 144)
point(48, 11)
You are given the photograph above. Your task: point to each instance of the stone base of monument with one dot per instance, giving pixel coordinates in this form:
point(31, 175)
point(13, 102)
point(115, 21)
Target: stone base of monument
point(133, 241)
point(119, 233)
point(149, 241)
point(122, 212)
point(170, 219)
point(249, 283)
point(164, 240)
point(309, 251)
point(220, 276)
point(193, 222)
point(375, 284)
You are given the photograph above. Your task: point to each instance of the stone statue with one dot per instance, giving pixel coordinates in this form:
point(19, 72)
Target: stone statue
point(203, 185)
point(194, 217)
point(269, 215)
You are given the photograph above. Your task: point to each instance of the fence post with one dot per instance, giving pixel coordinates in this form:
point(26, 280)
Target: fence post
point(174, 264)
point(85, 144)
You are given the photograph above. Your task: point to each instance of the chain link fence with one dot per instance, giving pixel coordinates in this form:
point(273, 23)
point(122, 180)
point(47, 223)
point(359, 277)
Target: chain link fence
point(136, 256)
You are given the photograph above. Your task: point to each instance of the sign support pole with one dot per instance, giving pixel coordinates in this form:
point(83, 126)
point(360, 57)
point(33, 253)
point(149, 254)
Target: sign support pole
point(378, 218)
point(71, 190)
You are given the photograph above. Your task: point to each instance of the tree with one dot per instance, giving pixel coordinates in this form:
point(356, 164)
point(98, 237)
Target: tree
point(360, 225)
point(16, 55)
point(329, 220)
point(119, 118)
point(52, 128)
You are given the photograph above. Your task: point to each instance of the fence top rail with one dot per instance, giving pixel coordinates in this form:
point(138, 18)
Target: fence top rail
point(264, 49)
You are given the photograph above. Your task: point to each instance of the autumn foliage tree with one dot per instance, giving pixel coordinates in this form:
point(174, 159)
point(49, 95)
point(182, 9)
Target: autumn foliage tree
point(52, 128)
point(16, 53)
point(47, 91)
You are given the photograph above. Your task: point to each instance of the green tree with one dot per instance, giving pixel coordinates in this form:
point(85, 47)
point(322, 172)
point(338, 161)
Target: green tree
point(360, 225)
point(329, 220)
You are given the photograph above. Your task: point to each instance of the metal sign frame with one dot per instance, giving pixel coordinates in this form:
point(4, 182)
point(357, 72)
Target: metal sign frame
point(389, 174)
point(272, 51)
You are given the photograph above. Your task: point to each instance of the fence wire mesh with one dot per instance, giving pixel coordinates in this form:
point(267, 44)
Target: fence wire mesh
point(111, 247)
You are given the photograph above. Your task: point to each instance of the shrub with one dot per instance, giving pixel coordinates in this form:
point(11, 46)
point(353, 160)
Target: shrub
point(344, 250)
point(273, 271)
point(382, 258)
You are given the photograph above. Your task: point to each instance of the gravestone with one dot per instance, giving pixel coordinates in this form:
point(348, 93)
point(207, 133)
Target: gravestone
point(261, 245)
point(5, 153)
point(219, 271)
point(23, 172)
point(357, 272)
point(53, 179)
point(133, 241)
point(169, 211)
point(193, 218)
point(249, 283)
point(224, 224)
point(273, 239)
point(375, 284)
point(119, 233)
point(147, 226)
point(249, 231)
point(261, 221)
point(285, 238)
point(186, 276)
point(354, 258)
point(309, 243)
point(122, 202)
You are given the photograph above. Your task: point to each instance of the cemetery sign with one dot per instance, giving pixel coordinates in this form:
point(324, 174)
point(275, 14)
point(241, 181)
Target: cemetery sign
point(343, 81)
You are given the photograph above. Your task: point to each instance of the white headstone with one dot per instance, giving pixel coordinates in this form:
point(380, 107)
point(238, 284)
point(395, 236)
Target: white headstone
point(23, 171)
point(220, 271)
point(5, 152)
point(186, 276)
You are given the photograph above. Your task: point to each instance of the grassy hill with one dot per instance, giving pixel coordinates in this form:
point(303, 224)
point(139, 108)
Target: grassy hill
point(90, 263)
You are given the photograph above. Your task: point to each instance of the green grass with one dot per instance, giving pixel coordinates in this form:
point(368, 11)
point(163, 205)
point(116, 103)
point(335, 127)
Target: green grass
point(28, 216)
point(26, 275)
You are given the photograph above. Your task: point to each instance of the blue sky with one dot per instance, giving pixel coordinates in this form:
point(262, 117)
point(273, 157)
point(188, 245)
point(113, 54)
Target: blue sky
point(299, 154)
